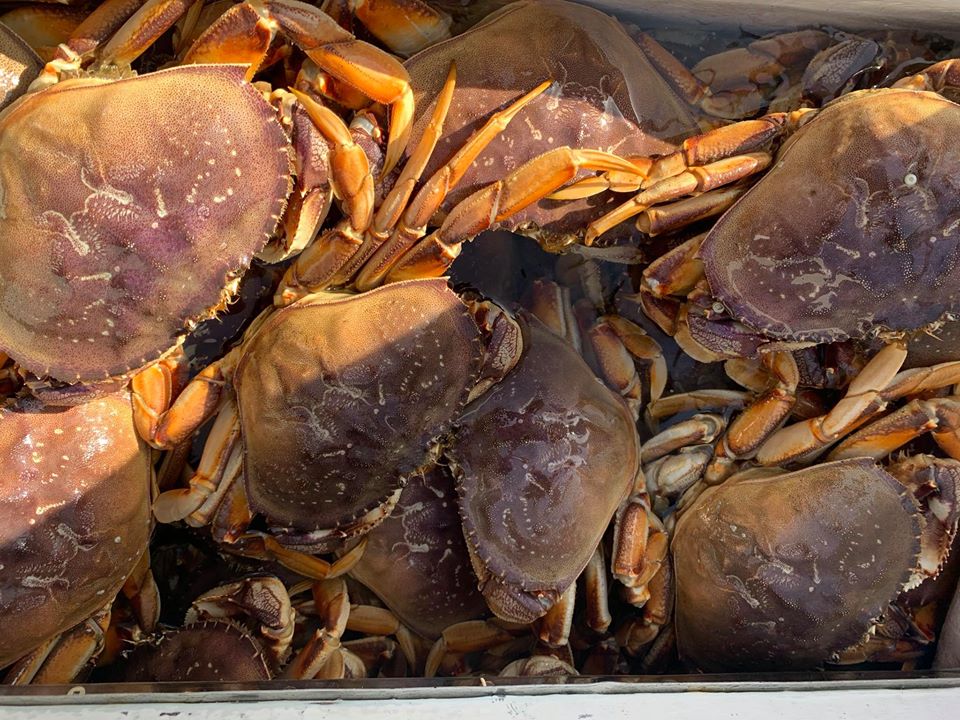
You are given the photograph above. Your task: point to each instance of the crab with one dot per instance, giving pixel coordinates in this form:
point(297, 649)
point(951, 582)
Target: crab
point(617, 90)
point(790, 571)
point(397, 393)
point(243, 631)
point(416, 560)
point(158, 217)
point(759, 284)
point(75, 506)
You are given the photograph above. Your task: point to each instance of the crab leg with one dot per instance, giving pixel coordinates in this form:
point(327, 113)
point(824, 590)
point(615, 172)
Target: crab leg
point(862, 397)
point(141, 591)
point(759, 420)
point(140, 30)
point(370, 70)
point(219, 463)
point(410, 227)
point(405, 26)
point(240, 35)
point(662, 219)
point(940, 416)
point(333, 258)
point(61, 659)
point(530, 182)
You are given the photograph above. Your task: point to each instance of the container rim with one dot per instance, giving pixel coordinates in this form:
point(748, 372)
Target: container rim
point(473, 687)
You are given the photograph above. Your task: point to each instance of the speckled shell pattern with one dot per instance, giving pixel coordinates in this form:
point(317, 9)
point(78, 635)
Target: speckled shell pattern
point(781, 572)
point(19, 65)
point(856, 229)
point(342, 396)
point(543, 461)
point(594, 102)
point(127, 207)
point(197, 653)
point(416, 561)
point(74, 515)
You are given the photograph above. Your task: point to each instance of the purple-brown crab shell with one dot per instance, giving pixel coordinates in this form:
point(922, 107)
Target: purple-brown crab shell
point(74, 515)
point(778, 573)
point(341, 397)
point(127, 209)
point(416, 560)
point(542, 460)
point(19, 66)
point(606, 96)
point(208, 651)
point(856, 228)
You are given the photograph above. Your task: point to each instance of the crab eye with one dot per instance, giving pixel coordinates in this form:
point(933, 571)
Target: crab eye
point(909, 179)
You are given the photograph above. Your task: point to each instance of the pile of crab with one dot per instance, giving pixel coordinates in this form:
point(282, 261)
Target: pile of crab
point(262, 420)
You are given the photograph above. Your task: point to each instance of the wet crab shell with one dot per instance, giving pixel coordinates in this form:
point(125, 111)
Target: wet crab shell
point(855, 230)
point(606, 96)
point(128, 208)
point(780, 572)
point(74, 515)
point(416, 560)
point(207, 651)
point(19, 65)
point(341, 397)
point(542, 460)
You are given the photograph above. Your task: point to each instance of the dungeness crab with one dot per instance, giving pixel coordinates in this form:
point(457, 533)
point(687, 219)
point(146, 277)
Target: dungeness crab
point(877, 260)
point(791, 571)
point(398, 364)
point(74, 526)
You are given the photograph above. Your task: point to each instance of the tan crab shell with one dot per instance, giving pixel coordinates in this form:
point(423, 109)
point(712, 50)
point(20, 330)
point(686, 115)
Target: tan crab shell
point(780, 572)
point(74, 515)
point(855, 230)
point(342, 396)
point(127, 208)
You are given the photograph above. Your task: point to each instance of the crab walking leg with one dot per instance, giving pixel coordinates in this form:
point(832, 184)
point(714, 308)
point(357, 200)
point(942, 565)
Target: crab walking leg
point(141, 30)
point(370, 620)
point(759, 419)
point(662, 219)
point(220, 461)
point(411, 225)
point(597, 591)
point(336, 257)
point(141, 591)
point(375, 73)
point(469, 636)
point(860, 405)
point(405, 26)
point(240, 35)
point(553, 628)
point(349, 167)
point(939, 416)
point(697, 179)
point(165, 424)
point(527, 184)
point(863, 396)
point(61, 659)
point(333, 258)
